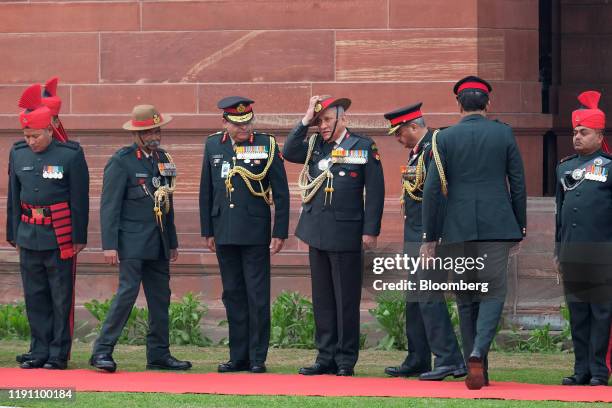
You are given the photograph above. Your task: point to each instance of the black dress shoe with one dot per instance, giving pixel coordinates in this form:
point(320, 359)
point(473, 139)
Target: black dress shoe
point(486, 377)
point(258, 368)
point(103, 362)
point(233, 366)
point(405, 371)
point(56, 364)
point(598, 381)
point(20, 358)
point(318, 369)
point(169, 363)
point(440, 373)
point(575, 380)
point(34, 363)
point(345, 372)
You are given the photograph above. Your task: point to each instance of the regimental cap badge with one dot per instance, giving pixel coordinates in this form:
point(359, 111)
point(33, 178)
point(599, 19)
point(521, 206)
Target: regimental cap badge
point(318, 107)
point(156, 118)
point(240, 108)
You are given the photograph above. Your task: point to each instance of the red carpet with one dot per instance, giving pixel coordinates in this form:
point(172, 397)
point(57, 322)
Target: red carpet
point(285, 384)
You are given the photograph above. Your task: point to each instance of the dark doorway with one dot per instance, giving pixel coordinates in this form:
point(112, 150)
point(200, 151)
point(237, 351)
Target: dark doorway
point(549, 77)
point(546, 52)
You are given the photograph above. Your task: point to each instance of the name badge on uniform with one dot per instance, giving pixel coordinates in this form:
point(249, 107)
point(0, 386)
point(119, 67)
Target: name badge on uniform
point(225, 168)
point(167, 169)
point(27, 168)
point(53, 172)
point(216, 159)
point(251, 152)
point(142, 175)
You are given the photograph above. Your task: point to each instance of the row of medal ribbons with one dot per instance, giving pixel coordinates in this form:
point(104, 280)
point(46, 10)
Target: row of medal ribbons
point(53, 172)
point(251, 152)
point(596, 173)
point(349, 153)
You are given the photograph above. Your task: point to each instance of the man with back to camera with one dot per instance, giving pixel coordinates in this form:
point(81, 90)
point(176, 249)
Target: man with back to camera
point(336, 222)
point(428, 325)
point(478, 167)
point(583, 250)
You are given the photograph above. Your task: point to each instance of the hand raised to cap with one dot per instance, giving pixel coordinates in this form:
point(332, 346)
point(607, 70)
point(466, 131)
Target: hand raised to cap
point(310, 112)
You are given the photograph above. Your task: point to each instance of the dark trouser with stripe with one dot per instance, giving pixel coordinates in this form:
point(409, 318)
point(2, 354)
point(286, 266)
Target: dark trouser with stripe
point(336, 279)
point(480, 313)
point(47, 286)
point(589, 302)
point(245, 274)
point(155, 278)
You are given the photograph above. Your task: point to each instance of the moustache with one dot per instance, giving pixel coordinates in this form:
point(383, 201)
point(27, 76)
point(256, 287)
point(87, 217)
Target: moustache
point(152, 144)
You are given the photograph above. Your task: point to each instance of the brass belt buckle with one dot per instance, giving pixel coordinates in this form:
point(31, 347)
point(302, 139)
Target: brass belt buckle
point(38, 213)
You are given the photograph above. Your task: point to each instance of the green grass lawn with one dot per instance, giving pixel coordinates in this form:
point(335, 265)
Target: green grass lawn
point(540, 368)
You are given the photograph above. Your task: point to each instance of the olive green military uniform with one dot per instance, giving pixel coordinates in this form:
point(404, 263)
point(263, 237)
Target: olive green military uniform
point(48, 203)
point(128, 225)
point(333, 225)
point(240, 223)
point(584, 250)
point(485, 213)
point(428, 326)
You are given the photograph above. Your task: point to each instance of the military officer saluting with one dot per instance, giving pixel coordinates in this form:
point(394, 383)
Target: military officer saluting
point(478, 169)
point(583, 250)
point(335, 222)
point(243, 175)
point(428, 325)
point(138, 233)
point(47, 218)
